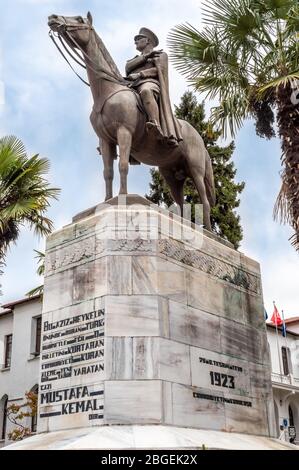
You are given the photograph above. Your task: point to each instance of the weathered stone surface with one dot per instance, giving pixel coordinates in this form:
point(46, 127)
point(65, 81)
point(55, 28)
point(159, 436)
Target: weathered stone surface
point(119, 275)
point(223, 299)
point(61, 237)
point(145, 275)
point(132, 316)
point(250, 264)
point(146, 356)
point(83, 282)
point(213, 265)
point(253, 308)
point(119, 358)
point(250, 420)
point(152, 275)
point(178, 331)
point(59, 291)
point(260, 380)
point(194, 327)
point(193, 412)
point(220, 252)
point(163, 305)
point(172, 281)
point(167, 406)
point(128, 402)
point(242, 341)
point(70, 255)
point(174, 362)
point(100, 277)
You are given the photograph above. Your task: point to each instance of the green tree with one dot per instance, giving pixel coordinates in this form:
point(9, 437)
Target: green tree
point(247, 56)
point(24, 192)
point(17, 413)
point(224, 220)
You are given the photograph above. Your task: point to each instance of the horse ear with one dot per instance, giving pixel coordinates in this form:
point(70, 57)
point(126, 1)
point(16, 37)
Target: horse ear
point(89, 17)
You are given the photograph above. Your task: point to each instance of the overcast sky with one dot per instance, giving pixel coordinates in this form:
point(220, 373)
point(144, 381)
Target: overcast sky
point(45, 104)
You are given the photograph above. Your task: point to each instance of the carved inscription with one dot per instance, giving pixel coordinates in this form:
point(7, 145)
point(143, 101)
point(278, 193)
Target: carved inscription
point(73, 400)
point(72, 347)
point(222, 373)
point(174, 249)
point(69, 255)
point(232, 401)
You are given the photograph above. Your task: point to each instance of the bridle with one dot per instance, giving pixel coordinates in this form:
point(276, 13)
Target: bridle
point(64, 29)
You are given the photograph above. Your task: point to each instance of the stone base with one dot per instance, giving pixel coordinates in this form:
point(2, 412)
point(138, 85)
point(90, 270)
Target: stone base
point(148, 320)
point(147, 437)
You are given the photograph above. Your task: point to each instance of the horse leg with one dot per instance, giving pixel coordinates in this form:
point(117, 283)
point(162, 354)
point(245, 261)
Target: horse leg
point(108, 151)
point(124, 140)
point(200, 186)
point(176, 187)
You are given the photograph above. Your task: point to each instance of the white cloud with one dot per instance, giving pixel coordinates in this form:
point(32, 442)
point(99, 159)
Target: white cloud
point(49, 108)
point(280, 282)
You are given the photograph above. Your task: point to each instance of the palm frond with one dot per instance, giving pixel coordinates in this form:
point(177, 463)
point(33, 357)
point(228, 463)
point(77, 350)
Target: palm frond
point(36, 291)
point(281, 211)
point(278, 82)
point(25, 194)
point(229, 116)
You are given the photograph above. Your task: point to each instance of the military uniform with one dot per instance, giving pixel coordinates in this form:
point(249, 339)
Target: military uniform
point(154, 78)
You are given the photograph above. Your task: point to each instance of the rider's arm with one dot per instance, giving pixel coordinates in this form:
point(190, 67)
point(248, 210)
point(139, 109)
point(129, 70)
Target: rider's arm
point(134, 63)
point(149, 73)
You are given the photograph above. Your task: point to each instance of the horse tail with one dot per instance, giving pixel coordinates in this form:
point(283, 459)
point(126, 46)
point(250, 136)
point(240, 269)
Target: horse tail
point(209, 181)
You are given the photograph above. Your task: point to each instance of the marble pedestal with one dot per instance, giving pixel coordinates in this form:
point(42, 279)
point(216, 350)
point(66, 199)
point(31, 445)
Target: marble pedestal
point(143, 325)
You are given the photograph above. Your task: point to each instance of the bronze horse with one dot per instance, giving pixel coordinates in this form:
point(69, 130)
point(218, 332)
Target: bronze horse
point(118, 119)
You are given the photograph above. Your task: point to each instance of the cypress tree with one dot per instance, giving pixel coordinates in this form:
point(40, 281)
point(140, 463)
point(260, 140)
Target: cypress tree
point(224, 219)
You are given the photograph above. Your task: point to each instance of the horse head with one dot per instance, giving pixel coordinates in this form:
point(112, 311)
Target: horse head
point(73, 29)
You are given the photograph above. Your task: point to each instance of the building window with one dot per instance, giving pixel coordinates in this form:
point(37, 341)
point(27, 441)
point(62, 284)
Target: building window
point(291, 416)
point(285, 353)
point(38, 333)
point(8, 348)
point(34, 418)
point(3, 416)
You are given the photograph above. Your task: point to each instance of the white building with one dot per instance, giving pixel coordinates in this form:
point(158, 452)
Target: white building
point(285, 375)
point(20, 333)
point(20, 324)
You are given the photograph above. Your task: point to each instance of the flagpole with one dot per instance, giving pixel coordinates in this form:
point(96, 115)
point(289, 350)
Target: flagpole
point(278, 350)
point(285, 339)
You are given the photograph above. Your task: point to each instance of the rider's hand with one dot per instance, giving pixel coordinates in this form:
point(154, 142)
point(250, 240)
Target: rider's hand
point(133, 76)
point(153, 54)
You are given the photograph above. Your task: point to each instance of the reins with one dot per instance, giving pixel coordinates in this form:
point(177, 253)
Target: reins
point(65, 58)
point(101, 72)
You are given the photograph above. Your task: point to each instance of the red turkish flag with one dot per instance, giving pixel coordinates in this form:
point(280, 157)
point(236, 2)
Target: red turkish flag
point(276, 319)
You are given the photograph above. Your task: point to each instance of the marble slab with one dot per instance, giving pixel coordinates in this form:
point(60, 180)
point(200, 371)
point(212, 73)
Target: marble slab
point(243, 341)
point(136, 402)
point(191, 411)
point(194, 327)
point(132, 315)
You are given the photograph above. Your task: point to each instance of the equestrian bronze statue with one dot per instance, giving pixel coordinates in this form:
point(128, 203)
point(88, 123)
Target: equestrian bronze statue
point(134, 112)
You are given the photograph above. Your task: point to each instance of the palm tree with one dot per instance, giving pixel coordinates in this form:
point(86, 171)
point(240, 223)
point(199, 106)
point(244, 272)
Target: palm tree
point(247, 57)
point(39, 290)
point(24, 192)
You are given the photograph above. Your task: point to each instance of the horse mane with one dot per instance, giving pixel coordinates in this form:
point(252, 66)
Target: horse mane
point(107, 57)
